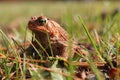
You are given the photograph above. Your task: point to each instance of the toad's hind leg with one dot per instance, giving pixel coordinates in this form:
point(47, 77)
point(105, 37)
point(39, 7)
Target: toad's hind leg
point(60, 50)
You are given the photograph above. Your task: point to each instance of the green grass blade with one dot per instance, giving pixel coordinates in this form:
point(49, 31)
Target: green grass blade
point(50, 44)
point(20, 46)
point(36, 50)
point(90, 37)
point(42, 47)
point(110, 24)
point(5, 40)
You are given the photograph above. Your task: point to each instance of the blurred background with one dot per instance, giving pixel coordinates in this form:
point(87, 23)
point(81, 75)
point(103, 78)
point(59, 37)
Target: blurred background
point(15, 14)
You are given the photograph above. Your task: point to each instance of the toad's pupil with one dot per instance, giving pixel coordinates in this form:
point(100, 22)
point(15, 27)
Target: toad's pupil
point(41, 21)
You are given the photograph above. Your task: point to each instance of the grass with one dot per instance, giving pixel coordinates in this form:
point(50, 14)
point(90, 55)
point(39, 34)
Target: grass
point(90, 28)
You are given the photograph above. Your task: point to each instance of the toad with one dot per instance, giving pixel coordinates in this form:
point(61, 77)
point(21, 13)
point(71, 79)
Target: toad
point(50, 38)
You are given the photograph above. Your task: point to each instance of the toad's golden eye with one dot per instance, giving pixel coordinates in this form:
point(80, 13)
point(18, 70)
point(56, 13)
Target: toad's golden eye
point(41, 21)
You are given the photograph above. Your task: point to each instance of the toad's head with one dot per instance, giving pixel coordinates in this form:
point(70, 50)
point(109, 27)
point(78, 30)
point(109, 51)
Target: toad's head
point(37, 23)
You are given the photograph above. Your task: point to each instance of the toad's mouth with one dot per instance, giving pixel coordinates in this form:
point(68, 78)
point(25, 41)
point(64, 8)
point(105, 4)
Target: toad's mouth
point(34, 27)
point(40, 29)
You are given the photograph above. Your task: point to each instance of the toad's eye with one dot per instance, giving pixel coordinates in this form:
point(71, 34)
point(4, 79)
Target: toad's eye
point(41, 21)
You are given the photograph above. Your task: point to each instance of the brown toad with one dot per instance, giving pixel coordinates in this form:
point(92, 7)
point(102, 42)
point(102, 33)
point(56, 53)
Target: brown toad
point(51, 36)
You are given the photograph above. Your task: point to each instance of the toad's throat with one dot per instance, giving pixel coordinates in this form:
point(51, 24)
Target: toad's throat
point(42, 38)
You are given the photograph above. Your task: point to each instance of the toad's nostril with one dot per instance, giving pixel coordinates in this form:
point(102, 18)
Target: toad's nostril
point(33, 18)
